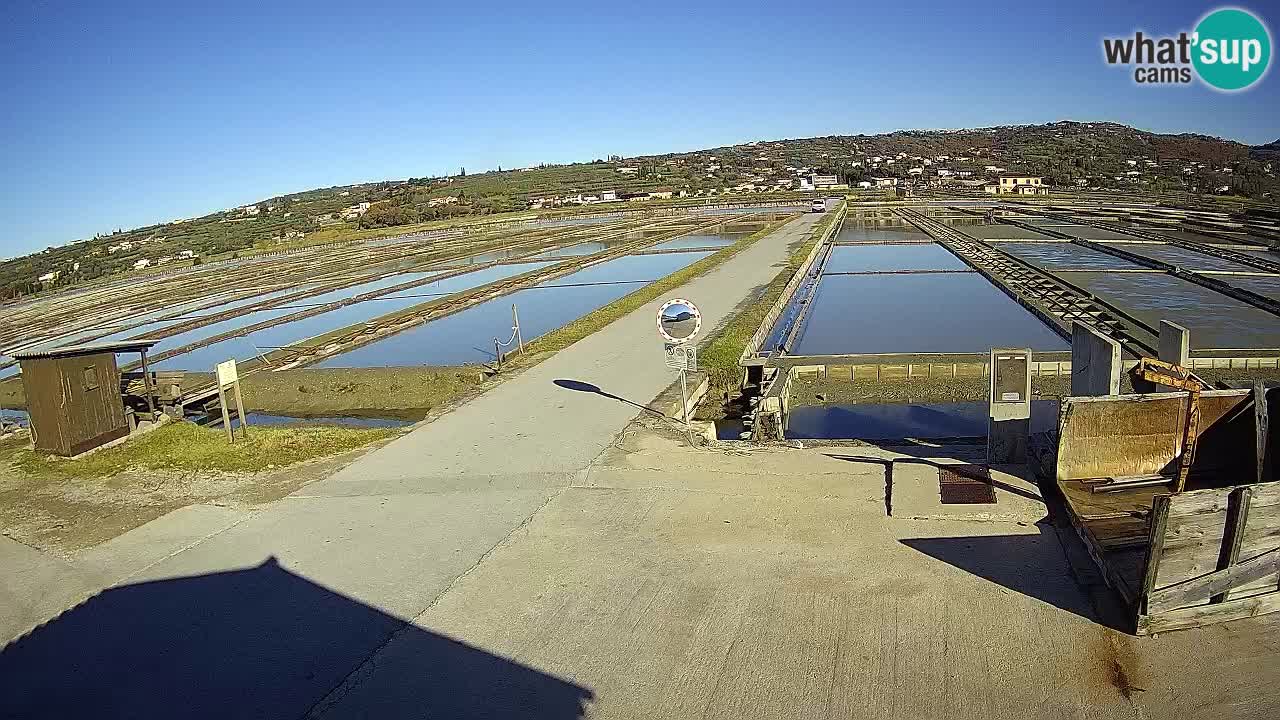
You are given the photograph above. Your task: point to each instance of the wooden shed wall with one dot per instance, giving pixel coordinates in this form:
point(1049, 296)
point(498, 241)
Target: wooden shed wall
point(70, 414)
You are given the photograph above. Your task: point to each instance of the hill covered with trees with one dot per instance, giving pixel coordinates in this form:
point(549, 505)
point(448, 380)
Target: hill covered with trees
point(1068, 154)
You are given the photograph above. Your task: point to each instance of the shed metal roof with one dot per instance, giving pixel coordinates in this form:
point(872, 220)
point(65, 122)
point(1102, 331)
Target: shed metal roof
point(87, 349)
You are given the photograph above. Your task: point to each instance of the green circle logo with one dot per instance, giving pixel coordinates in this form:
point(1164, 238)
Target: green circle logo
point(1232, 49)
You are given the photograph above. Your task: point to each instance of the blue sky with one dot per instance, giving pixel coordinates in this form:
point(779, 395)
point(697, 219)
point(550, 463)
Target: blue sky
point(122, 114)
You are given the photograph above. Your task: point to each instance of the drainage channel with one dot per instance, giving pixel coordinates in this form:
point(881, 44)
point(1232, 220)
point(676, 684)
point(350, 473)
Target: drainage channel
point(895, 421)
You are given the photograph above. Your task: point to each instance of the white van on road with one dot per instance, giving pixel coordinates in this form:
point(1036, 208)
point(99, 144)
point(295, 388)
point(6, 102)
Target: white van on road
point(818, 206)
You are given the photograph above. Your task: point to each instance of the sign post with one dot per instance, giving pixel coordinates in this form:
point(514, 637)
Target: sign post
point(678, 324)
point(229, 378)
point(515, 326)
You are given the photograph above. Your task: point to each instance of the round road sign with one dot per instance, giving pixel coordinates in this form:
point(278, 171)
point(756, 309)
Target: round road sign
point(679, 321)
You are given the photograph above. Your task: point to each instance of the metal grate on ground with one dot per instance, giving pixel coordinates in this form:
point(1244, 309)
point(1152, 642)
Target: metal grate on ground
point(966, 485)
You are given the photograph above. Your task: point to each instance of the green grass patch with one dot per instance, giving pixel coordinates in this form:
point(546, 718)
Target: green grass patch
point(187, 446)
point(597, 319)
point(402, 392)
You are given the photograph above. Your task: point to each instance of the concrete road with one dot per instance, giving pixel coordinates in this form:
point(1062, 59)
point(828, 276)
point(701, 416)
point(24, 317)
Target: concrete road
point(379, 541)
point(676, 583)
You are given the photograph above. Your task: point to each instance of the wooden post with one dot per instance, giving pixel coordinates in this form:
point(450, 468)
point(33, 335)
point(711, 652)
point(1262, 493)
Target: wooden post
point(1190, 433)
point(146, 382)
point(515, 320)
point(1233, 533)
point(1155, 547)
point(244, 421)
point(1262, 429)
point(226, 417)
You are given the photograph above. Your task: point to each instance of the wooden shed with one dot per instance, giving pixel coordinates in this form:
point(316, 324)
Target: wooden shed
point(73, 395)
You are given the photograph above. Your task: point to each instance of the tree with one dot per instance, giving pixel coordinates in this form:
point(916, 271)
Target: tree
point(462, 172)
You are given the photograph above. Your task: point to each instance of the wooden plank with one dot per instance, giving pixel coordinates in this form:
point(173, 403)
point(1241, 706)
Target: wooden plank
point(1111, 572)
point(1122, 532)
point(1201, 615)
point(44, 389)
point(244, 422)
point(1197, 528)
point(1155, 549)
point(1188, 556)
point(1142, 434)
point(226, 417)
point(1237, 516)
point(1198, 589)
point(1092, 506)
point(1197, 502)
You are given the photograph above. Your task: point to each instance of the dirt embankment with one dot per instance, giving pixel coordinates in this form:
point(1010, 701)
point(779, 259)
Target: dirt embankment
point(812, 390)
point(408, 393)
point(64, 513)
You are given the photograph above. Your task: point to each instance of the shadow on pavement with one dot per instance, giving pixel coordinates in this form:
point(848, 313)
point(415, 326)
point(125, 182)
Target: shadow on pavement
point(586, 387)
point(261, 642)
point(1033, 565)
point(976, 471)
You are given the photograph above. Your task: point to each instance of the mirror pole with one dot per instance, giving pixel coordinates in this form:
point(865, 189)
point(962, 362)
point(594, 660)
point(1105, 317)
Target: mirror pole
point(684, 395)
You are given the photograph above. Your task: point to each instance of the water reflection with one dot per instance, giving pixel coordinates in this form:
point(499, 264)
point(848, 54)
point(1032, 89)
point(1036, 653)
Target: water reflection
point(584, 248)
point(900, 421)
point(269, 420)
point(882, 258)
point(889, 231)
point(1215, 320)
point(1183, 257)
point(999, 231)
point(467, 336)
point(1064, 255)
point(267, 339)
point(1089, 232)
point(959, 312)
point(1267, 286)
point(698, 241)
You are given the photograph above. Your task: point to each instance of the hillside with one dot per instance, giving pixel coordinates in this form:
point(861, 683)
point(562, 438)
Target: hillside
point(1068, 154)
point(1268, 152)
